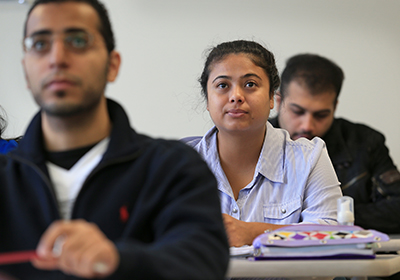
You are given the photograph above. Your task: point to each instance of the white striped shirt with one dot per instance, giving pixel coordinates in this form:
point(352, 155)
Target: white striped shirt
point(294, 181)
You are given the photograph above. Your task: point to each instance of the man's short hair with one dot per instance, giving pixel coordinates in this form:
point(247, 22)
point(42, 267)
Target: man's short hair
point(317, 73)
point(105, 28)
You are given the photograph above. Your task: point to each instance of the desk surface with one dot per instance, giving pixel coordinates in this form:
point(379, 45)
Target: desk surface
point(383, 265)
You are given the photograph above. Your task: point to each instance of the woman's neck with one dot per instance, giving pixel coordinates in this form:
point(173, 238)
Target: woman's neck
point(239, 154)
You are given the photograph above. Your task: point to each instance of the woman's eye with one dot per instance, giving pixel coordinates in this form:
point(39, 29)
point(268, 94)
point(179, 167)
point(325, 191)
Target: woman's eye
point(222, 85)
point(250, 84)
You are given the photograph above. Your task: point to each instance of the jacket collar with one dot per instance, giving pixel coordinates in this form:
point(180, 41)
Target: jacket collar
point(121, 137)
point(336, 145)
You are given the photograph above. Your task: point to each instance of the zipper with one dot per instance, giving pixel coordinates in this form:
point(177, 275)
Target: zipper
point(42, 175)
point(354, 180)
point(98, 168)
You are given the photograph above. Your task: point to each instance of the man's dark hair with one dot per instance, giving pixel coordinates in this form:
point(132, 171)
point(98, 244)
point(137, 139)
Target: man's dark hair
point(256, 52)
point(105, 24)
point(317, 73)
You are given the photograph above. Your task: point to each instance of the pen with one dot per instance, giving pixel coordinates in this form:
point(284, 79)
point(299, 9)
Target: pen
point(16, 257)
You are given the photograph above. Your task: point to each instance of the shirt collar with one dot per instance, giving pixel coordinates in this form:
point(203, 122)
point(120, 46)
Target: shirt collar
point(271, 160)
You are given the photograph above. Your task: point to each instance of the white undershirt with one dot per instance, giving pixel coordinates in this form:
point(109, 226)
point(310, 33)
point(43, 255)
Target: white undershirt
point(68, 183)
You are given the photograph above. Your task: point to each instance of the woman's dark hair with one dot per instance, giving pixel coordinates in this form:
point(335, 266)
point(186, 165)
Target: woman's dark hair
point(3, 125)
point(105, 24)
point(3, 122)
point(257, 53)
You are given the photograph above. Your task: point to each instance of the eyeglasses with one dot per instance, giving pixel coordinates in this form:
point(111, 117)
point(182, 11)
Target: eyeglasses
point(75, 41)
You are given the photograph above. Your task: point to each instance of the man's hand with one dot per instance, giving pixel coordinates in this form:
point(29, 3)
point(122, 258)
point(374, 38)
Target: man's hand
point(78, 248)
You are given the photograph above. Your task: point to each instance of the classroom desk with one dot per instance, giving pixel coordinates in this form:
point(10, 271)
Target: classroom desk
point(382, 265)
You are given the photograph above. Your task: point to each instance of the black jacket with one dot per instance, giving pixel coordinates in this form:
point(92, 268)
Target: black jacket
point(366, 172)
point(174, 228)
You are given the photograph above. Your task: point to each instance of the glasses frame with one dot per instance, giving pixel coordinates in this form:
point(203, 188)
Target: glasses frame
point(28, 42)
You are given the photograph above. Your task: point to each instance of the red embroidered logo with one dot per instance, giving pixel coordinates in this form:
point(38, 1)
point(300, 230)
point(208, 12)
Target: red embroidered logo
point(123, 214)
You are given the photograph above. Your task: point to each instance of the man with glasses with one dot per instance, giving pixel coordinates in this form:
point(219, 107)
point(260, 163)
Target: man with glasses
point(306, 102)
point(83, 191)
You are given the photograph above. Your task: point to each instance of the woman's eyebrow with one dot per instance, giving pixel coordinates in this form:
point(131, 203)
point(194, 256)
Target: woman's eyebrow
point(251, 75)
point(222, 77)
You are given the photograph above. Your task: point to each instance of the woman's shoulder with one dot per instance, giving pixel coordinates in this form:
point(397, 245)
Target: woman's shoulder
point(299, 150)
point(315, 143)
point(192, 141)
point(307, 149)
point(196, 141)
point(280, 135)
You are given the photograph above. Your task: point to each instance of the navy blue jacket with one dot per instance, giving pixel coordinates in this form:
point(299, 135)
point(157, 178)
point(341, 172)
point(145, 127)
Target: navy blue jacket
point(156, 199)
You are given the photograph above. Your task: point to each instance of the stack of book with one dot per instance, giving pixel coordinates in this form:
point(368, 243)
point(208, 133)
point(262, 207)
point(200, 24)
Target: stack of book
point(306, 241)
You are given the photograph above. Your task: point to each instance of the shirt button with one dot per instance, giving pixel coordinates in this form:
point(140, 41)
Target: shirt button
point(283, 210)
point(235, 210)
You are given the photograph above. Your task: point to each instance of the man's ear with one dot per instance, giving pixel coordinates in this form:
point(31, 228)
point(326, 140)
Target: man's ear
point(113, 66)
point(335, 106)
point(278, 100)
point(25, 74)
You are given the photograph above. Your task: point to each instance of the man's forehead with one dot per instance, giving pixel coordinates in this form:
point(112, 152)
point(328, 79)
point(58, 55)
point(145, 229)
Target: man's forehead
point(60, 17)
point(300, 94)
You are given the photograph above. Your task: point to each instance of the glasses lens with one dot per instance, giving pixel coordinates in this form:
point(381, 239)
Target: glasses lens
point(38, 43)
point(77, 41)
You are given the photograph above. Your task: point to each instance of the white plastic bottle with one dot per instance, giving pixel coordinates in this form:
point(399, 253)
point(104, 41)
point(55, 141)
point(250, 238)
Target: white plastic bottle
point(345, 211)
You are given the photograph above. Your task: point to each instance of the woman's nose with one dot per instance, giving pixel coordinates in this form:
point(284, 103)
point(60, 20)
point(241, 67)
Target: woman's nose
point(236, 95)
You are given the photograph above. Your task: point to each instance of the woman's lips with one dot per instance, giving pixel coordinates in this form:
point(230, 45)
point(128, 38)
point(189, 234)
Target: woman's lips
point(236, 113)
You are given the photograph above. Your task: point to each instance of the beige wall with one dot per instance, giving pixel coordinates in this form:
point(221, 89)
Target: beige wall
point(162, 44)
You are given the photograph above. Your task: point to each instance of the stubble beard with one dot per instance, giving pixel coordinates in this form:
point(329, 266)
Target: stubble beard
point(91, 98)
point(65, 109)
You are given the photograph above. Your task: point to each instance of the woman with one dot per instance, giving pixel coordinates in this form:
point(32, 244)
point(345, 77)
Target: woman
point(265, 179)
point(6, 145)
